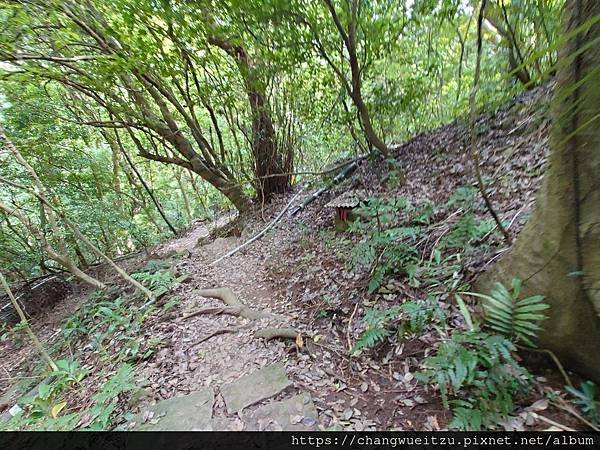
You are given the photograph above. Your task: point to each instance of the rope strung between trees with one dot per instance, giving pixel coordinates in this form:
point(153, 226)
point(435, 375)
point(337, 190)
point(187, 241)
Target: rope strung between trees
point(260, 234)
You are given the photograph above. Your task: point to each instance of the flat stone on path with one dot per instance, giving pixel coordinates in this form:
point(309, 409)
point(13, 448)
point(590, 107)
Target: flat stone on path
point(293, 414)
point(257, 386)
point(191, 412)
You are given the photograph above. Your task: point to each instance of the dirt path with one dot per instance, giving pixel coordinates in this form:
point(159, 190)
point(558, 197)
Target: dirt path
point(184, 366)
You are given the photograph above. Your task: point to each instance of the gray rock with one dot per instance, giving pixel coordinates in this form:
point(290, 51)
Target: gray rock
point(228, 424)
point(293, 414)
point(191, 412)
point(257, 386)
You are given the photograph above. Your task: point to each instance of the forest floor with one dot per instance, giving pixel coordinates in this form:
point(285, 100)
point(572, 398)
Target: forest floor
point(299, 273)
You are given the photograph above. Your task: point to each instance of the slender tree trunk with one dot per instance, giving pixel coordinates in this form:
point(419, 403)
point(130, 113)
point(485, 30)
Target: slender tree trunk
point(472, 117)
point(186, 202)
point(558, 252)
point(41, 193)
point(370, 132)
point(36, 342)
point(515, 66)
point(61, 256)
point(118, 147)
point(354, 88)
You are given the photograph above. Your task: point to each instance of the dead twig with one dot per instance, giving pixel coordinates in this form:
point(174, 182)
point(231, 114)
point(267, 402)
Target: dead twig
point(348, 328)
point(551, 422)
point(562, 404)
point(550, 353)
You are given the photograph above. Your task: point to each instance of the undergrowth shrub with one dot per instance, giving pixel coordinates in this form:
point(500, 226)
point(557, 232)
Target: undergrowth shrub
point(394, 239)
point(42, 412)
point(409, 318)
point(478, 369)
point(477, 376)
point(112, 323)
point(475, 371)
point(157, 275)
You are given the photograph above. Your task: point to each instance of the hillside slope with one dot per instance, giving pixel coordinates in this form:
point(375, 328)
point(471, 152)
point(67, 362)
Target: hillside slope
point(303, 275)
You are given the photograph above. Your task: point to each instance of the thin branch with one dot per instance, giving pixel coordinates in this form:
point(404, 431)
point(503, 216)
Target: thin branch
point(36, 341)
point(474, 151)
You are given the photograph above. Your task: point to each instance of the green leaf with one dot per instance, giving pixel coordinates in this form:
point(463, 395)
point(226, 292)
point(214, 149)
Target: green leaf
point(56, 409)
point(44, 390)
point(464, 311)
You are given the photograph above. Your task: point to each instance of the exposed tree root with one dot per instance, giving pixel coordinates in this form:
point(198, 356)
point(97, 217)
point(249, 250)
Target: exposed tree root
point(215, 311)
point(236, 308)
point(217, 333)
point(272, 333)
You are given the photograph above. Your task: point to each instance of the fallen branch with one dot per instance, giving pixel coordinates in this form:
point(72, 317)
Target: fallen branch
point(36, 342)
point(349, 326)
point(259, 235)
point(562, 404)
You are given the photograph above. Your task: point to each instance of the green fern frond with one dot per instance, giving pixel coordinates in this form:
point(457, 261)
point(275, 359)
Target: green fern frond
point(370, 338)
point(518, 319)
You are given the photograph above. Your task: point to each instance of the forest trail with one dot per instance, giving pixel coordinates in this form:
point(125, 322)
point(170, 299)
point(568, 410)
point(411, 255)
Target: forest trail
point(190, 365)
point(296, 271)
point(306, 216)
point(209, 370)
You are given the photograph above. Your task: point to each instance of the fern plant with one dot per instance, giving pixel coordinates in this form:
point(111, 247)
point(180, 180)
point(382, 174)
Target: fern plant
point(417, 315)
point(516, 318)
point(413, 316)
point(477, 377)
point(586, 400)
point(376, 321)
point(388, 230)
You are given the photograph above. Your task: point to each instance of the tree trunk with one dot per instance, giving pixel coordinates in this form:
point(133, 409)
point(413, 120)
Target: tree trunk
point(184, 196)
point(354, 88)
point(558, 252)
point(494, 17)
point(370, 132)
point(269, 168)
